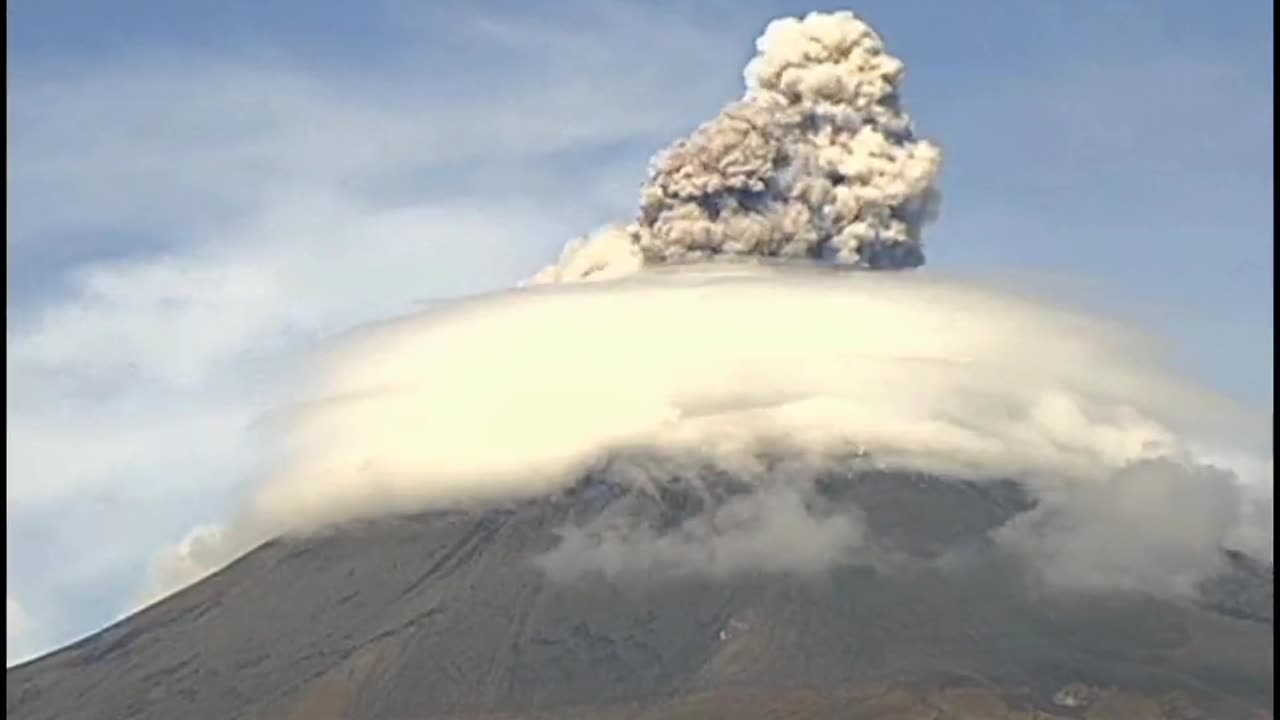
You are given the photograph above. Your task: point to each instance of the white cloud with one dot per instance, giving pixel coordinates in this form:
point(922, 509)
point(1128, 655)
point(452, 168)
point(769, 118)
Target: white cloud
point(521, 392)
point(262, 206)
point(17, 622)
point(19, 631)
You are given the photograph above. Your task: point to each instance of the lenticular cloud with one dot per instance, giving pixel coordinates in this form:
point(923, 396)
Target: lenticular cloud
point(519, 393)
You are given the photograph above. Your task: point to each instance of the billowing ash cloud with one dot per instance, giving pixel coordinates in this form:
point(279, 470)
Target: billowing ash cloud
point(817, 160)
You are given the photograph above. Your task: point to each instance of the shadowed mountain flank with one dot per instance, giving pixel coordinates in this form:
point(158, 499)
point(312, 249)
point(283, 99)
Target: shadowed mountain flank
point(450, 614)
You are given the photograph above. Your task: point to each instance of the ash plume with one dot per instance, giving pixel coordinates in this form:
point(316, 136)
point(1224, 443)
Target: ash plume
point(818, 160)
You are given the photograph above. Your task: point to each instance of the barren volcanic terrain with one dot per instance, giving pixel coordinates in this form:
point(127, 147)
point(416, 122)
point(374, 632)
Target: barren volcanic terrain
point(446, 615)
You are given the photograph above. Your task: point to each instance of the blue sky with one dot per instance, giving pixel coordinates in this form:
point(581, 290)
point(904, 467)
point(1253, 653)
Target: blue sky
point(199, 193)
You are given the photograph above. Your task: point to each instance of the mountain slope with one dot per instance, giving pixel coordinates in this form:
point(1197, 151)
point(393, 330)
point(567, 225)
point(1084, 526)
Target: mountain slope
point(443, 614)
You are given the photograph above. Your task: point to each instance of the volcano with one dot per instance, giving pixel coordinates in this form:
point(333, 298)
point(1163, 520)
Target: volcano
point(448, 614)
point(729, 457)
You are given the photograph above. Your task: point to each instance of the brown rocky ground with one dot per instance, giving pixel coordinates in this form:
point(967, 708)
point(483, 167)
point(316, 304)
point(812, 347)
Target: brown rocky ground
point(442, 615)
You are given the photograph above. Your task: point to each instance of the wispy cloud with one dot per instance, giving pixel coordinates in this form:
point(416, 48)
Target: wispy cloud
point(257, 206)
point(19, 631)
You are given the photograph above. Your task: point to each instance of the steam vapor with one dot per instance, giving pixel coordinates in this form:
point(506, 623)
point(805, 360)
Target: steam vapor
point(667, 365)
